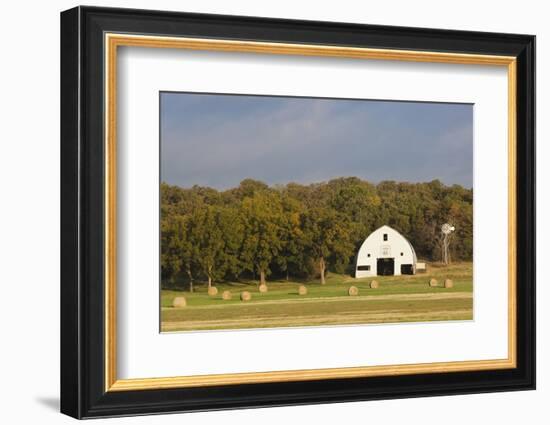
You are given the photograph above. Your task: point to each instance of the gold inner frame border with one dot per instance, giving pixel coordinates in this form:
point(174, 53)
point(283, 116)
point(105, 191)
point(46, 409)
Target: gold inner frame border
point(113, 40)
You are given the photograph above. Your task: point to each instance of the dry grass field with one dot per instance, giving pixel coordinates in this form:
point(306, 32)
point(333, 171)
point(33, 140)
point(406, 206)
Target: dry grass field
point(397, 299)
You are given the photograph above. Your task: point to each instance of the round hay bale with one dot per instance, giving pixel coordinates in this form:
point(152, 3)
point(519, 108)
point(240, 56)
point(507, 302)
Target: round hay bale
point(353, 291)
point(212, 291)
point(179, 302)
point(246, 296)
point(374, 284)
point(262, 288)
point(448, 283)
point(302, 290)
point(226, 295)
point(433, 282)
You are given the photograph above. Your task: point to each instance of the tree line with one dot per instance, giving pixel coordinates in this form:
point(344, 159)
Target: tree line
point(256, 231)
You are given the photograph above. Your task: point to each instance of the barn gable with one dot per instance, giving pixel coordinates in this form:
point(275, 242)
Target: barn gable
point(385, 252)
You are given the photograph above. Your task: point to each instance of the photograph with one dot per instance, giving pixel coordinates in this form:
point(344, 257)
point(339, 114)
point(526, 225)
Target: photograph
point(286, 211)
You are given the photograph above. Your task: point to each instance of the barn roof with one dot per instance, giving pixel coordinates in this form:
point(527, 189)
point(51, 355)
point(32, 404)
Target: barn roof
point(400, 234)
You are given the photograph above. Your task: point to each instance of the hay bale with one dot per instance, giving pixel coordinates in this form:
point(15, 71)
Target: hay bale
point(179, 302)
point(353, 291)
point(262, 288)
point(448, 283)
point(433, 282)
point(212, 291)
point(246, 296)
point(226, 295)
point(302, 290)
point(374, 284)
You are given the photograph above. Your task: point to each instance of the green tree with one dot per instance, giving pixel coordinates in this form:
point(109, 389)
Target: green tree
point(292, 253)
point(172, 241)
point(230, 223)
point(328, 239)
point(189, 246)
point(262, 219)
point(295, 229)
point(210, 249)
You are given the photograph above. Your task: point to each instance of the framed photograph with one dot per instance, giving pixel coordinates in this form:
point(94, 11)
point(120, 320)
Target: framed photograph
point(261, 212)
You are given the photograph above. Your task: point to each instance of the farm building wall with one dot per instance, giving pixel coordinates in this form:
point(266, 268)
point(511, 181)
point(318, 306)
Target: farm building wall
point(385, 251)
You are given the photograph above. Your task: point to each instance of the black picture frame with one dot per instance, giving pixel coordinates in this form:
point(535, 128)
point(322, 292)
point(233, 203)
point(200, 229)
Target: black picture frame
point(83, 392)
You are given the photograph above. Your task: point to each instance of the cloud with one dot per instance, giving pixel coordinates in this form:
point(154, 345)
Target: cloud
point(218, 140)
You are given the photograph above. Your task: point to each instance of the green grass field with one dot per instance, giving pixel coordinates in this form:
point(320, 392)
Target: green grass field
point(398, 299)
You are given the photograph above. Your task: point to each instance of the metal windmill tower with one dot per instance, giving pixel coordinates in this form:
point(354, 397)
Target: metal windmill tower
point(446, 229)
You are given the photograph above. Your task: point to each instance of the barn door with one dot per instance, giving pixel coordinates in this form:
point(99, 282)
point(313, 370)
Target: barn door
point(385, 267)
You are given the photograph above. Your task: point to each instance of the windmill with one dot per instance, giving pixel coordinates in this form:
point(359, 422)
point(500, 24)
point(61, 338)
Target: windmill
point(446, 229)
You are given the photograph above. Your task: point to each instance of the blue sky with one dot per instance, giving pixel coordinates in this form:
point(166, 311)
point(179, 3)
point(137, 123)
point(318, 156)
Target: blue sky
point(218, 140)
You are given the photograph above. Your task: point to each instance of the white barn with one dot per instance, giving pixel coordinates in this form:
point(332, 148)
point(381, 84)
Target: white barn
point(385, 252)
